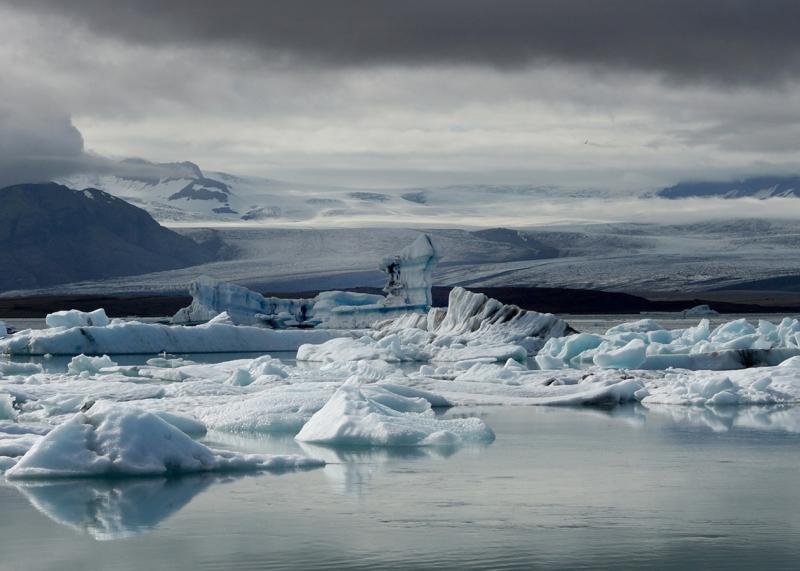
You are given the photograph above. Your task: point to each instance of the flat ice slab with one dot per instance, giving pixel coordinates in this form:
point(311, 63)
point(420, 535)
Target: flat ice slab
point(133, 337)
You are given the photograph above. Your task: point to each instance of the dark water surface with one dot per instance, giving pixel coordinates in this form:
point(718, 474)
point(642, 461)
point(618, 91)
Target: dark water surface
point(671, 488)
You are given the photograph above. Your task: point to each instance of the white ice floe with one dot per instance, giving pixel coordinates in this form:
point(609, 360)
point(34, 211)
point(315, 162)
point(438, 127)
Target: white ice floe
point(134, 337)
point(85, 364)
point(352, 417)
point(474, 327)
point(121, 441)
point(645, 344)
point(75, 318)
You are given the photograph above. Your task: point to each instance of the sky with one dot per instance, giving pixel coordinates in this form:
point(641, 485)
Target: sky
point(633, 94)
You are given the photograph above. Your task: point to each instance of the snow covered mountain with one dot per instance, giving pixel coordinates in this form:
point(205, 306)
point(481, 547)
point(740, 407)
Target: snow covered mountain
point(758, 187)
point(181, 193)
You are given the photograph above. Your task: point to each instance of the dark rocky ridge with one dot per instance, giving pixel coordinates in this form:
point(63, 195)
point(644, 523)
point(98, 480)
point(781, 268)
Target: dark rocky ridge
point(51, 234)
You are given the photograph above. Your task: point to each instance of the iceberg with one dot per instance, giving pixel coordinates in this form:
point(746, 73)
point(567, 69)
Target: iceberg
point(75, 318)
point(474, 326)
point(211, 298)
point(644, 344)
point(352, 418)
point(410, 274)
point(699, 311)
point(121, 441)
point(408, 289)
point(135, 337)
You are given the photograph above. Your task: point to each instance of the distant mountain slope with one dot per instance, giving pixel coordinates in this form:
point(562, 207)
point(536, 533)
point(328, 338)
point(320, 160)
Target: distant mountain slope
point(758, 187)
point(51, 234)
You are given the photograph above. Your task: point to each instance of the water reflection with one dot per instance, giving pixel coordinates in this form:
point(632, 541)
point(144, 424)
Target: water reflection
point(350, 469)
point(772, 418)
point(114, 509)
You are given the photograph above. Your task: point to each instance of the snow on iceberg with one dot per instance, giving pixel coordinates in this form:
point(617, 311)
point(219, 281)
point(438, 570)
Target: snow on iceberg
point(75, 318)
point(116, 441)
point(134, 337)
point(474, 326)
point(644, 344)
point(352, 418)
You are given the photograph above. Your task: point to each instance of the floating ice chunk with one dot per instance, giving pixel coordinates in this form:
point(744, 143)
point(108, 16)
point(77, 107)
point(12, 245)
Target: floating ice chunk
point(135, 337)
point(351, 418)
point(640, 326)
point(3, 329)
point(7, 411)
point(91, 365)
point(699, 311)
point(262, 369)
point(8, 368)
point(214, 301)
point(211, 298)
point(474, 327)
point(389, 349)
point(408, 289)
point(75, 318)
point(629, 356)
point(733, 345)
point(112, 441)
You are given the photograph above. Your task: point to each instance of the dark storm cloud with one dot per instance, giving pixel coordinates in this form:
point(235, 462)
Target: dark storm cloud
point(714, 40)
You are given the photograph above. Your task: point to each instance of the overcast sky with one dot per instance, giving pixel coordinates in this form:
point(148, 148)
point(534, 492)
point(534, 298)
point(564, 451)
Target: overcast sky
point(593, 93)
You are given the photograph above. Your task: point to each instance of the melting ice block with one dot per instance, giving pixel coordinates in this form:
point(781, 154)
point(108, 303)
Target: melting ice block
point(115, 441)
point(352, 418)
point(644, 344)
point(134, 337)
point(473, 327)
point(75, 318)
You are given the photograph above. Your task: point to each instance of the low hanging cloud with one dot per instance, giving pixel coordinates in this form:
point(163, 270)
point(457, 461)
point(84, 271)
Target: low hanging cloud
point(614, 94)
point(735, 41)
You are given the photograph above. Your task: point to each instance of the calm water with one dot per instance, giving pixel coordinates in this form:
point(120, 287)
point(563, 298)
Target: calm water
point(560, 488)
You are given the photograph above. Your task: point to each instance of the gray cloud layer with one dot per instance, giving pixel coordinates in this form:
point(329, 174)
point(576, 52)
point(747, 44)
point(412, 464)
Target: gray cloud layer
point(735, 41)
point(593, 93)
